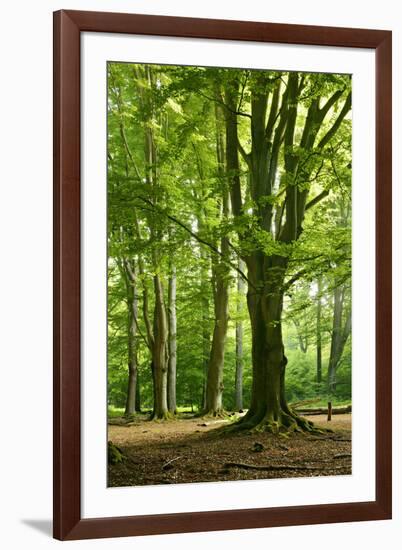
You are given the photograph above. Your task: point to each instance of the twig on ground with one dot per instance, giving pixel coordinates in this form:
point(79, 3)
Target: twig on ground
point(168, 464)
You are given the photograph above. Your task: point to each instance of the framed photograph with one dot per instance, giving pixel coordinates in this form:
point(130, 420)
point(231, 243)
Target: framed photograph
point(222, 269)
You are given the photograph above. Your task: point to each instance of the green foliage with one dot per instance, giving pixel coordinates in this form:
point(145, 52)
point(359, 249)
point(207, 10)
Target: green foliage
point(115, 454)
point(300, 375)
point(167, 212)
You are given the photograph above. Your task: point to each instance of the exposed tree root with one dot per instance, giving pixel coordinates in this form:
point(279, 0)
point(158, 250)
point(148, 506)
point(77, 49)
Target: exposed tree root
point(283, 423)
point(160, 417)
point(122, 421)
point(221, 413)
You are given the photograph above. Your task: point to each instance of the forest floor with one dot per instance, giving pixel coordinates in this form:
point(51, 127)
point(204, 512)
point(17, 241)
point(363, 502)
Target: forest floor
point(183, 451)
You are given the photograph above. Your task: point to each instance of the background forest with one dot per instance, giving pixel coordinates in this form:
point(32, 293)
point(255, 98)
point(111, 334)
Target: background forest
point(213, 173)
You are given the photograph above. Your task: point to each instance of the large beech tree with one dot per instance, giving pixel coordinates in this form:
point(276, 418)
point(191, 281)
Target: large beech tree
point(282, 127)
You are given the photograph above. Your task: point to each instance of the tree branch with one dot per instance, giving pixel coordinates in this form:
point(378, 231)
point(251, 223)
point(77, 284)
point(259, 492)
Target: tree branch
point(142, 334)
point(295, 278)
point(243, 87)
point(233, 111)
point(245, 156)
point(317, 199)
point(198, 238)
point(332, 131)
point(145, 308)
point(331, 101)
point(273, 112)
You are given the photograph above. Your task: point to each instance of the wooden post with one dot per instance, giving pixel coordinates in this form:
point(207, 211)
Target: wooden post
point(329, 411)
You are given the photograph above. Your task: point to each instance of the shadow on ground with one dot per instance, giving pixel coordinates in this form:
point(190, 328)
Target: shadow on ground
point(44, 526)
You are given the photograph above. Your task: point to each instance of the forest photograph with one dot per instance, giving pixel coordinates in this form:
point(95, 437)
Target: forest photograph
point(229, 214)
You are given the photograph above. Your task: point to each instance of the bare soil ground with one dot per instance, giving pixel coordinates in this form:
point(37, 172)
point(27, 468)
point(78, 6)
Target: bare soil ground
point(188, 450)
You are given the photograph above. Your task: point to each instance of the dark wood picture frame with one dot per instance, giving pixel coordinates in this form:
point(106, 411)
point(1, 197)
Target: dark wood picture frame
point(68, 26)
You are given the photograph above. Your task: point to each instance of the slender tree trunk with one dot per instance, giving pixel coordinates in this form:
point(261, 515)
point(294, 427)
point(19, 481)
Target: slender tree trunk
point(340, 334)
point(206, 346)
point(205, 320)
point(220, 284)
point(239, 342)
point(335, 340)
point(138, 393)
point(129, 272)
point(160, 353)
point(172, 343)
point(159, 337)
point(318, 333)
point(205, 300)
point(131, 393)
point(214, 387)
point(303, 341)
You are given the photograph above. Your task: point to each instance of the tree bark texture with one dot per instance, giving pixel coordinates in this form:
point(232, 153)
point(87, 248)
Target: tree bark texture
point(129, 271)
point(271, 129)
point(239, 341)
point(341, 329)
point(220, 286)
point(172, 342)
point(160, 352)
point(318, 333)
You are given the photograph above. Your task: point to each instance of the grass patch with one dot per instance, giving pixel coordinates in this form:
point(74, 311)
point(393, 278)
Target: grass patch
point(336, 402)
point(115, 412)
point(118, 412)
point(322, 402)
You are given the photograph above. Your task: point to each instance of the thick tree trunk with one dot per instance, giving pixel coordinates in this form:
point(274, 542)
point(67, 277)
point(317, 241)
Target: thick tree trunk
point(172, 343)
point(239, 342)
point(268, 410)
